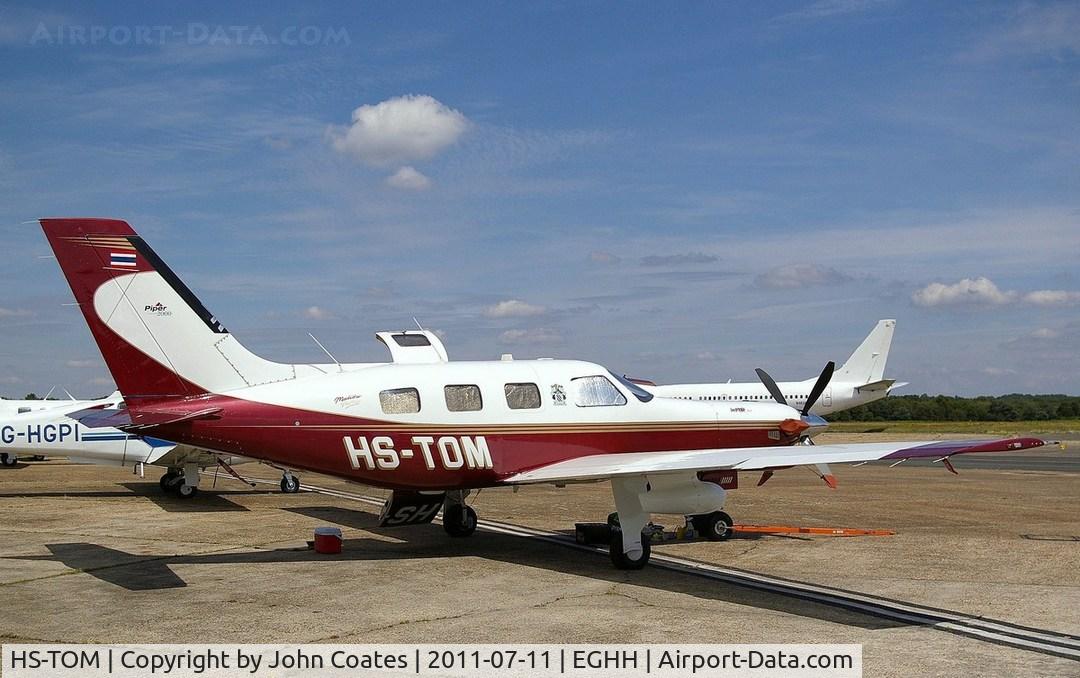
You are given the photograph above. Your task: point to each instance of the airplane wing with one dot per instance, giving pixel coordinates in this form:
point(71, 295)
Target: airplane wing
point(178, 455)
point(603, 466)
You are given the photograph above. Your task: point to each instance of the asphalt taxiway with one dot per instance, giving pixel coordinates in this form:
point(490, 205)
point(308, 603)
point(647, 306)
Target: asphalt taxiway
point(982, 577)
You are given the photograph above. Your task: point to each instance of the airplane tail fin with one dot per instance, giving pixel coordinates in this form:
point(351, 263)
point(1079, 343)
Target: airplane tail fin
point(867, 363)
point(156, 337)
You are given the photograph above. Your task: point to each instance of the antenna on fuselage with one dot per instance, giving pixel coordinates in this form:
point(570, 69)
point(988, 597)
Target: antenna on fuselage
point(70, 397)
point(418, 325)
point(324, 350)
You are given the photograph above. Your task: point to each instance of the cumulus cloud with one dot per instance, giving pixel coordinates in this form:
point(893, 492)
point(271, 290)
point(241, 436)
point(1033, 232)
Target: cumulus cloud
point(688, 259)
point(513, 308)
point(14, 313)
point(982, 291)
point(800, 275)
point(408, 179)
point(603, 258)
point(979, 291)
point(83, 363)
point(540, 335)
point(317, 313)
point(400, 130)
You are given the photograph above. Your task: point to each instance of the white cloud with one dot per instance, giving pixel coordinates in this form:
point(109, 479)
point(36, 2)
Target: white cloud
point(14, 313)
point(800, 275)
point(1046, 333)
point(317, 313)
point(967, 292)
point(1052, 298)
point(827, 8)
point(1049, 29)
point(541, 335)
point(513, 308)
point(982, 291)
point(408, 179)
point(400, 130)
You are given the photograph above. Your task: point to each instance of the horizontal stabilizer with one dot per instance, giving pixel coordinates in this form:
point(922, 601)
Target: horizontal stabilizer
point(603, 466)
point(96, 417)
point(880, 385)
point(147, 417)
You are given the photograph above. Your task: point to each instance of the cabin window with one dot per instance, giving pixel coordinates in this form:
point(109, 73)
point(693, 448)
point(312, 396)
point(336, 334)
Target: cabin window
point(408, 340)
point(595, 391)
point(400, 400)
point(522, 396)
point(463, 398)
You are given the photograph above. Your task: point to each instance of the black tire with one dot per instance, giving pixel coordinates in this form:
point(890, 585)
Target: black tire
point(290, 484)
point(185, 491)
point(165, 482)
point(715, 526)
point(8, 460)
point(621, 560)
point(459, 520)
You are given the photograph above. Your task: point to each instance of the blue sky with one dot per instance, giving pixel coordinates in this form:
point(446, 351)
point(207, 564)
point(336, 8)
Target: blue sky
point(682, 192)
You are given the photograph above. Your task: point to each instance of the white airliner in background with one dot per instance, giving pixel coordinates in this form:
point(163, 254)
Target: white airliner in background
point(858, 381)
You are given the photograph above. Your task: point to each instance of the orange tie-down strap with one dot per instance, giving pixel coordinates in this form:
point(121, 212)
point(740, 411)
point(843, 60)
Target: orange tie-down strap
point(829, 531)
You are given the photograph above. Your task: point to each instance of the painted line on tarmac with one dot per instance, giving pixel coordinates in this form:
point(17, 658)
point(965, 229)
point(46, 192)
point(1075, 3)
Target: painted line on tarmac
point(988, 630)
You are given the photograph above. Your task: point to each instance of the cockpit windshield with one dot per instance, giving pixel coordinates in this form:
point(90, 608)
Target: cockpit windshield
point(639, 393)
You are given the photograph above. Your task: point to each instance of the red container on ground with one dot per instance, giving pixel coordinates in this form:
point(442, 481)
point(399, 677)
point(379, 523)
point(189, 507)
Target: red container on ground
point(327, 540)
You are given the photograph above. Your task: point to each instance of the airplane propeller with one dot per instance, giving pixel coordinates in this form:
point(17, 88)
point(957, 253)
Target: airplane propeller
point(819, 387)
point(815, 393)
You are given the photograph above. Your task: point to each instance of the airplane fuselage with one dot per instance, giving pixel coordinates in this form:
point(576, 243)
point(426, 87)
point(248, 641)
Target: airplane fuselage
point(836, 397)
point(463, 424)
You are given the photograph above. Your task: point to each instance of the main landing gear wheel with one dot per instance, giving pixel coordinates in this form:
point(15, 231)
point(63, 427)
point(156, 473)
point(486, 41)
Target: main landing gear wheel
point(622, 560)
point(459, 520)
point(8, 460)
point(715, 526)
point(170, 480)
point(290, 484)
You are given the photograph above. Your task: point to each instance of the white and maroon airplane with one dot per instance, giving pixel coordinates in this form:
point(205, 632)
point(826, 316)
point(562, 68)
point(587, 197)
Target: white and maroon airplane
point(430, 431)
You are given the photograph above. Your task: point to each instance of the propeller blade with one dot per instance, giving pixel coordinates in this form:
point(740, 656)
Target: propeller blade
point(771, 386)
point(819, 387)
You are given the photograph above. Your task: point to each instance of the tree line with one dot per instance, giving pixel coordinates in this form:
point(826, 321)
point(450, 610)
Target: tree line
point(1012, 407)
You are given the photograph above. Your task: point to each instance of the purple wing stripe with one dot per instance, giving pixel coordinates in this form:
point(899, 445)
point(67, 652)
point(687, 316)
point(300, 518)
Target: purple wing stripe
point(945, 448)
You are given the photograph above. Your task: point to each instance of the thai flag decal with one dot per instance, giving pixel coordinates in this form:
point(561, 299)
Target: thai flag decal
point(122, 259)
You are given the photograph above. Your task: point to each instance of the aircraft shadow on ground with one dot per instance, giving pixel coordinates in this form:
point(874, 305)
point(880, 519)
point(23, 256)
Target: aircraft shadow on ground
point(207, 501)
point(146, 573)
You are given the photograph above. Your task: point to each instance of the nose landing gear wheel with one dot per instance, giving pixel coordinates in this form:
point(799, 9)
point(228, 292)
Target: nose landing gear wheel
point(290, 484)
point(459, 520)
point(8, 459)
point(622, 560)
point(186, 491)
point(715, 526)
